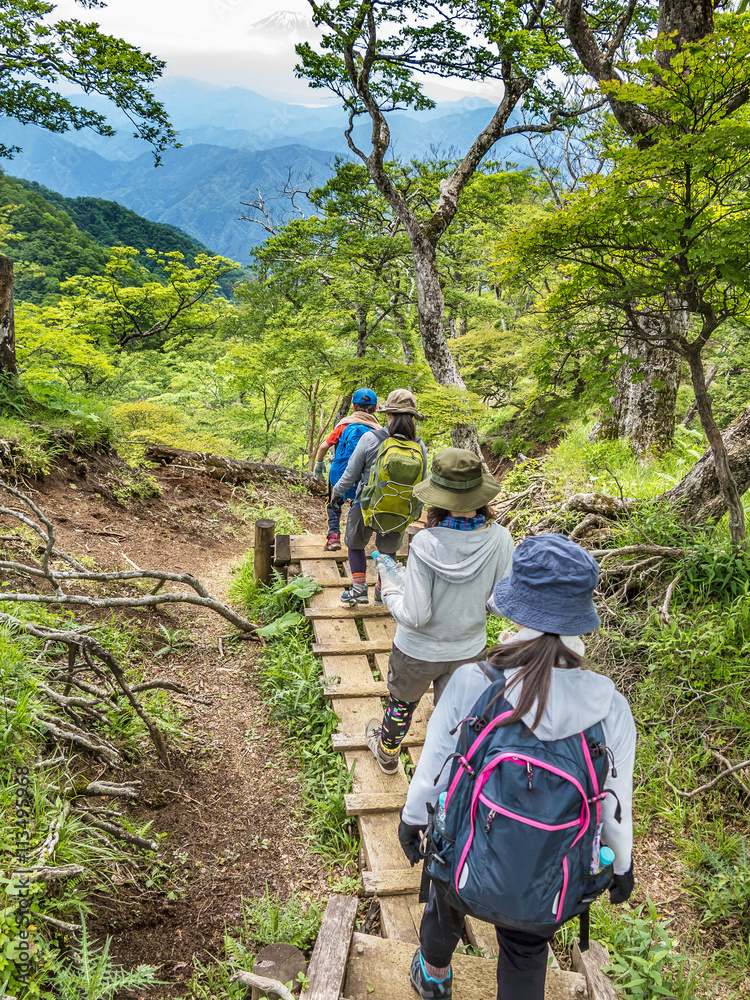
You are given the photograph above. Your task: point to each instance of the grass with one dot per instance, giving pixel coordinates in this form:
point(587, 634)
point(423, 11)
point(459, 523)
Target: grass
point(26, 664)
point(292, 686)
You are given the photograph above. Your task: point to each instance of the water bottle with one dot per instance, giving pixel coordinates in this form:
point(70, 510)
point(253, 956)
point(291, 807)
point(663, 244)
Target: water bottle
point(392, 574)
point(606, 857)
point(440, 814)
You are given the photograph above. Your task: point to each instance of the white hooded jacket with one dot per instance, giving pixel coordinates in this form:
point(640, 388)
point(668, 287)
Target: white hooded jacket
point(450, 575)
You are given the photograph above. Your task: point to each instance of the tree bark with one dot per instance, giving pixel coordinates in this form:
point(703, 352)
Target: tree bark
point(722, 468)
point(431, 307)
point(8, 366)
point(693, 411)
point(699, 494)
point(644, 412)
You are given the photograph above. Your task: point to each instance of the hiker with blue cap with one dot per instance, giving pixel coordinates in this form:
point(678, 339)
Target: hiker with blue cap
point(521, 803)
point(344, 439)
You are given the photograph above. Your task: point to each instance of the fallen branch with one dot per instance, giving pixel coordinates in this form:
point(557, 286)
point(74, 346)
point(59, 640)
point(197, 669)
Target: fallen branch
point(128, 790)
point(712, 784)
point(261, 983)
point(232, 470)
point(61, 925)
point(117, 831)
point(58, 579)
point(664, 610)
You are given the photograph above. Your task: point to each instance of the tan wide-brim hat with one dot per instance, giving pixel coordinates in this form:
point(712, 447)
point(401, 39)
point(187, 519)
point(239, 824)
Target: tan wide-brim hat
point(457, 482)
point(401, 401)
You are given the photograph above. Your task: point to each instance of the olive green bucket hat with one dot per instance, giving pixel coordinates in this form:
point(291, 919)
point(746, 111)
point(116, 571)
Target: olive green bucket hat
point(457, 482)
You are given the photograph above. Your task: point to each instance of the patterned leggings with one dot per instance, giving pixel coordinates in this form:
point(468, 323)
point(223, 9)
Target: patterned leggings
point(396, 722)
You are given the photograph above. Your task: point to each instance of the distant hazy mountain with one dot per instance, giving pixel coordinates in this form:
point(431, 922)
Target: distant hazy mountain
point(199, 188)
point(234, 142)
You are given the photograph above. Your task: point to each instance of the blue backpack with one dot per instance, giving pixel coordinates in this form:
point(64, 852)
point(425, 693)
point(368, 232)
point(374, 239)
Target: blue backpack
point(520, 834)
point(344, 451)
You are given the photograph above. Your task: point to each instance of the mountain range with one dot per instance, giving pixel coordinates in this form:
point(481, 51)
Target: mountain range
point(235, 143)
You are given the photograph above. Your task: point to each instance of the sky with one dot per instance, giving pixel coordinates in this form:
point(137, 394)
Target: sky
point(212, 40)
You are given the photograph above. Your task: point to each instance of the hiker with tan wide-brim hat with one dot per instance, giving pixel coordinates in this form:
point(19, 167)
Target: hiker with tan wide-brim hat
point(401, 411)
point(401, 401)
point(452, 569)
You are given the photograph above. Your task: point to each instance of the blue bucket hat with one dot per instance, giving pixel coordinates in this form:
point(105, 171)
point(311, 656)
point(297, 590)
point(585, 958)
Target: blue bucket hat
point(364, 397)
point(550, 586)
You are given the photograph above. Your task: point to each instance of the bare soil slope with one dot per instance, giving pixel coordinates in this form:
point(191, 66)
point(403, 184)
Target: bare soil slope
point(229, 808)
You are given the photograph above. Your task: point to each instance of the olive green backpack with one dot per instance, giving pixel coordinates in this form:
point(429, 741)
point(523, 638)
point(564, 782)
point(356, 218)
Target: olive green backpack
point(387, 502)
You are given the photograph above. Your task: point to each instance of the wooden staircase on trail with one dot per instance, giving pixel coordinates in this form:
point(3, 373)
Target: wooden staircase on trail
point(354, 644)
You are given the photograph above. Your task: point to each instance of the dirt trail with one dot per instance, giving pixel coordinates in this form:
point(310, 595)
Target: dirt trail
point(229, 807)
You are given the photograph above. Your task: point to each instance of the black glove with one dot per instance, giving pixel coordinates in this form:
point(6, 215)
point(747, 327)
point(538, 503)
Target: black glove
point(623, 887)
point(410, 838)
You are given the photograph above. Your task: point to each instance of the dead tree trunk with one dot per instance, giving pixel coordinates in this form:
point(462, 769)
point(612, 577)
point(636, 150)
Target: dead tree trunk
point(8, 367)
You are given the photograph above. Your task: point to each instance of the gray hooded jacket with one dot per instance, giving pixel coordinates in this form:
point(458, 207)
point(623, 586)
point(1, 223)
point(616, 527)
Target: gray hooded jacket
point(577, 699)
point(449, 576)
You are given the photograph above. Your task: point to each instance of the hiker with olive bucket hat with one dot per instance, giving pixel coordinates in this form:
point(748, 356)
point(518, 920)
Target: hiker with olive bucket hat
point(384, 468)
point(527, 770)
point(453, 565)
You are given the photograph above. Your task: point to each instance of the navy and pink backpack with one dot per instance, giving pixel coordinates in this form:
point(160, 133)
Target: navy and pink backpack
point(522, 822)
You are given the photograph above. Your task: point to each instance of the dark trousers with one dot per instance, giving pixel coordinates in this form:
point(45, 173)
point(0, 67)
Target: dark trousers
point(521, 963)
point(334, 510)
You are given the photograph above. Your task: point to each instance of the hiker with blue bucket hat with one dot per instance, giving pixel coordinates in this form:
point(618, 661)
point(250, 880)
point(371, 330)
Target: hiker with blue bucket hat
point(521, 803)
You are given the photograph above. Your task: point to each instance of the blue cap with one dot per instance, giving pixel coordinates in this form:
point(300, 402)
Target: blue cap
point(550, 587)
point(364, 397)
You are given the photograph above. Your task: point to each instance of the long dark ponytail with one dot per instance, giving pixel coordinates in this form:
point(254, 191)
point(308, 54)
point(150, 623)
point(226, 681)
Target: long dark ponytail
point(534, 660)
point(403, 424)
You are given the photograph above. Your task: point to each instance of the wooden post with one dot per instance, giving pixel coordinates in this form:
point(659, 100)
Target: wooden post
point(263, 552)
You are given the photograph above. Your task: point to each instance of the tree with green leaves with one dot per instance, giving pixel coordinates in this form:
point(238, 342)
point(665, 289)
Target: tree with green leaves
point(132, 307)
point(369, 55)
point(39, 55)
point(664, 231)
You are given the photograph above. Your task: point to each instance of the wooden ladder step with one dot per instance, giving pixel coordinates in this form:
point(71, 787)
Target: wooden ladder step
point(367, 690)
point(398, 882)
point(352, 648)
point(373, 802)
point(378, 969)
point(359, 611)
point(328, 962)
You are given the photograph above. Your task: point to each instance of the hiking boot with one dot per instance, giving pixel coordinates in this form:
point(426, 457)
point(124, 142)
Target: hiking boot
point(378, 594)
point(387, 761)
point(427, 988)
point(356, 594)
point(333, 543)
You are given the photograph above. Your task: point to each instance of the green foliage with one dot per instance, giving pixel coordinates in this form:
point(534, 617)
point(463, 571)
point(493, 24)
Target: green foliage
point(721, 882)
point(110, 224)
point(292, 686)
point(47, 247)
point(275, 921)
point(41, 55)
point(611, 246)
point(717, 574)
point(130, 305)
point(99, 977)
point(644, 958)
point(134, 487)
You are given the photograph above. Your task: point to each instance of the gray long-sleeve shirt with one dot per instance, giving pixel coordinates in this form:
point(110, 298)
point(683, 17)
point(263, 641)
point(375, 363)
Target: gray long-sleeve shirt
point(577, 699)
point(357, 471)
